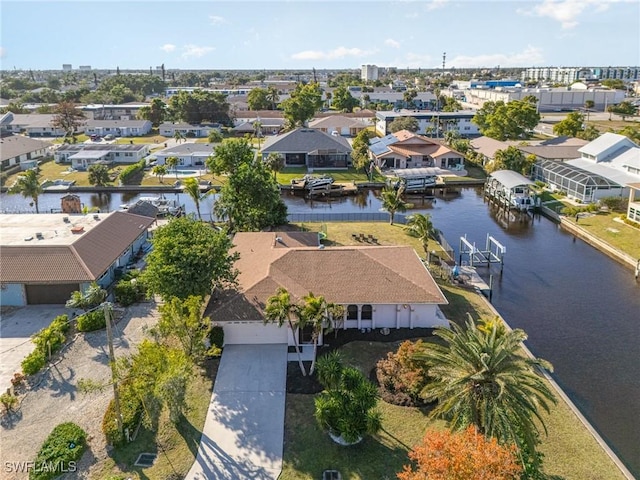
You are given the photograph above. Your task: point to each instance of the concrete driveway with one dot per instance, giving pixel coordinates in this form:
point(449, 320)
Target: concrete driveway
point(243, 433)
point(16, 328)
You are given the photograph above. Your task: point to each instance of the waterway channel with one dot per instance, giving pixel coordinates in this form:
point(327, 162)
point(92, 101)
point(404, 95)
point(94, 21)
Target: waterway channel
point(580, 308)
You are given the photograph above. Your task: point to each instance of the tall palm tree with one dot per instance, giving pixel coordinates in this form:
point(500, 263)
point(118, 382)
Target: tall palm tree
point(280, 309)
point(392, 201)
point(588, 105)
point(272, 96)
point(178, 136)
point(275, 163)
point(28, 186)
point(192, 188)
point(172, 163)
point(420, 226)
point(257, 129)
point(481, 377)
point(160, 171)
point(317, 313)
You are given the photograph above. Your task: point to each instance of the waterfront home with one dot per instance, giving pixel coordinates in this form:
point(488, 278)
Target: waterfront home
point(606, 167)
point(21, 150)
point(633, 210)
point(380, 287)
point(311, 148)
point(189, 154)
point(82, 156)
point(46, 257)
point(340, 124)
point(405, 149)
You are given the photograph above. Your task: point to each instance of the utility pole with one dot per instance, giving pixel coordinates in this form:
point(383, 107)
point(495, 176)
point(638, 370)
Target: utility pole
point(112, 361)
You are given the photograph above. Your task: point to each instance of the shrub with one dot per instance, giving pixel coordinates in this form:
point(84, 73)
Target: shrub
point(401, 378)
point(131, 410)
point(129, 291)
point(90, 321)
point(17, 380)
point(9, 402)
point(59, 452)
point(216, 336)
point(61, 322)
point(51, 338)
point(34, 362)
point(130, 175)
point(616, 204)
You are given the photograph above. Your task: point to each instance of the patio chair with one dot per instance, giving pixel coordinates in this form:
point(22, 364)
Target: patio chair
point(363, 238)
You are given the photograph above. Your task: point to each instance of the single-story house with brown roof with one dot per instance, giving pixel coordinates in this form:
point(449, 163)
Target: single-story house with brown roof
point(46, 257)
point(342, 125)
point(310, 148)
point(379, 286)
point(25, 151)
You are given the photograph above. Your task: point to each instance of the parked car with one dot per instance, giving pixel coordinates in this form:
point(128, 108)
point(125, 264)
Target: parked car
point(109, 137)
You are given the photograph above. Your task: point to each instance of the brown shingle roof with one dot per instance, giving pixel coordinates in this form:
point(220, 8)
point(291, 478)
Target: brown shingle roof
point(84, 260)
point(344, 275)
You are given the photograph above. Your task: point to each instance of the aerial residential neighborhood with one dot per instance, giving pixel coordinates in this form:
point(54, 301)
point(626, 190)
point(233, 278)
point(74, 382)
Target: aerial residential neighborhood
point(311, 240)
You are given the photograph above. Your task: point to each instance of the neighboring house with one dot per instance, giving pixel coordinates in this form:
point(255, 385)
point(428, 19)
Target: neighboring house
point(187, 130)
point(125, 111)
point(431, 123)
point(46, 257)
point(343, 126)
point(633, 211)
point(268, 125)
point(404, 149)
point(559, 148)
point(606, 167)
point(25, 151)
point(309, 147)
point(118, 128)
point(84, 155)
point(189, 154)
point(379, 286)
point(486, 148)
point(34, 125)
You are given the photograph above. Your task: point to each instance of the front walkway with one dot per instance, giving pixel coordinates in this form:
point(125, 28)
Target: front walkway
point(243, 433)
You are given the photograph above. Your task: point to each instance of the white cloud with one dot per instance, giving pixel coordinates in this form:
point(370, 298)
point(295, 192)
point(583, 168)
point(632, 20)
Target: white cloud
point(530, 56)
point(414, 60)
point(340, 52)
point(195, 51)
point(168, 47)
point(390, 42)
point(568, 12)
point(3, 52)
point(435, 4)
point(217, 20)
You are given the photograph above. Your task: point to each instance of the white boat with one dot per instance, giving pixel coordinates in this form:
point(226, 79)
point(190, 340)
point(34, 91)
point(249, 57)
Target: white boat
point(164, 205)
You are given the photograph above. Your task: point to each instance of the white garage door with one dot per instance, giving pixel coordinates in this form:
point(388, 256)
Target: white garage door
point(253, 332)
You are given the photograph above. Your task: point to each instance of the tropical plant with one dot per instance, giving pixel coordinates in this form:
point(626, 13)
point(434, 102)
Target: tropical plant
point(99, 175)
point(183, 320)
point(588, 106)
point(275, 163)
point(172, 163)
point(404, 123)
point(90, 298)
point(401, 377)
point(392, 201)
point(318, 314)
point(28, 186)
point(346, 409)
point(178, 136)
point(465, 455)
point(420, 226)
point(481, 377)
point(159, 171)
point(192, 188)
point(280, 309)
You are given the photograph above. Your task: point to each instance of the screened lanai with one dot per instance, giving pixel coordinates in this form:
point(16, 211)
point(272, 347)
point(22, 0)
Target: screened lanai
point(577, 183)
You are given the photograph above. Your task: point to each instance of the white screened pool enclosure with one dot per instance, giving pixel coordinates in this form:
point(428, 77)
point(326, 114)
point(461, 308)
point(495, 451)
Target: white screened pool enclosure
point(577, 183)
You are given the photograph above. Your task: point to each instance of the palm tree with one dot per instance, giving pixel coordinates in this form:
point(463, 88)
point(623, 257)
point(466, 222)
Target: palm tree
point(272, 96)
point(91, 297)
point(178, 136)
point(172, 163)
point(28, 186)
point(160, 171)
point(420, 226)
point(588, 105)
point(192, 188)
point(392, 201)
point(481, 377)
point(279, 308)
point(257, 128)
point(317, 313)
point(275, 163)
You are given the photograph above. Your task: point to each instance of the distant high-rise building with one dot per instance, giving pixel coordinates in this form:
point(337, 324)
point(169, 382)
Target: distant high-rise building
point(568, 75)
point(67, 67)
point(84, 67)
point(369, 72)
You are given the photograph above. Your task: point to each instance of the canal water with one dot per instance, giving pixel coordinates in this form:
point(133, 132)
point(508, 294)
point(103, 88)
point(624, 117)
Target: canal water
point(580, 308)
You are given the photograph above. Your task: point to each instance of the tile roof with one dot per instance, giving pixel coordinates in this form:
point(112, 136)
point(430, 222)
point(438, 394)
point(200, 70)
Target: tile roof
point(12, 146)
point(86, 259)
point(344, 275)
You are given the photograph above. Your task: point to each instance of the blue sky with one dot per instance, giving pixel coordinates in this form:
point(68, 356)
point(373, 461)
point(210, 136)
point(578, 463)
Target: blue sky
point(324, 34)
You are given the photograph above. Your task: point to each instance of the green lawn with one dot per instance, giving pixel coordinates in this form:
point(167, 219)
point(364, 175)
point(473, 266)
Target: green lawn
point(617, 234)
point(340, 176)
point(175, 445)
point(146, 139)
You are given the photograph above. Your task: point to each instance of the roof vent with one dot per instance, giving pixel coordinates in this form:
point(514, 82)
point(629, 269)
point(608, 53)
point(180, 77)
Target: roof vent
point(279, 240)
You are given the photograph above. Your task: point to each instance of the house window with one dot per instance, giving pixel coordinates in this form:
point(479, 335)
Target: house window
point(306, 334)
point(367, 312)
point(352, 312)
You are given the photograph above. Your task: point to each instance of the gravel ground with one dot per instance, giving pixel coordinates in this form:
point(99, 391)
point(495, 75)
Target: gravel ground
point(54, 398)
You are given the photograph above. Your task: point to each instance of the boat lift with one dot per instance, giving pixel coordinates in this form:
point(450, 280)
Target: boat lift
point(493, 253)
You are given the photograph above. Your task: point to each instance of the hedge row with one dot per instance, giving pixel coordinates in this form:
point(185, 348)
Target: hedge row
point(130, 172)
point(48, 340)
point(90, 321)
point(59, 452)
